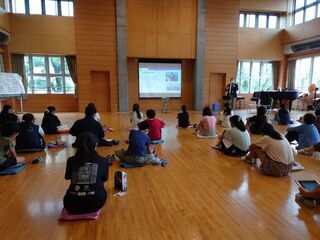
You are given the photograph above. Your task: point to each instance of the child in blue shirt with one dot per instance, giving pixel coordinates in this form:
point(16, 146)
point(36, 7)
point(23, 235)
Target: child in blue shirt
point(306, 134)
point(140, 151)
point(283, 116)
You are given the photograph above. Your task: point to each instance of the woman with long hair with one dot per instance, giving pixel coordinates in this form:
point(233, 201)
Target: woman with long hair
point(183, 117)
point(87, 172)
point(255, 123)
point(236, 140)
point(30, 136)
point(136, 116)
point(274, 151)
point(50, 121)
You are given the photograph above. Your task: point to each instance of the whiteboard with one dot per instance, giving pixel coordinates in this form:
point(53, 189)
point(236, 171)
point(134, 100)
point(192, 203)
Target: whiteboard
point(11, 84)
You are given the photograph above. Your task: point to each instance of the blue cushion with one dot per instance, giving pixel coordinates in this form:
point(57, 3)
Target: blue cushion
point(157, 141)
point(13, 170)
point(129, 165)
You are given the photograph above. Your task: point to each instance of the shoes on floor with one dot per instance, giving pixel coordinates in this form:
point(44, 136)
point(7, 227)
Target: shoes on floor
point(163, 162)
point(247, 160)
point(304, 152)
point(215, 146)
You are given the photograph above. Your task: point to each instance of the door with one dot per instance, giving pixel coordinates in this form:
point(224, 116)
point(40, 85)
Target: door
point(217, 85)
point(101, 90)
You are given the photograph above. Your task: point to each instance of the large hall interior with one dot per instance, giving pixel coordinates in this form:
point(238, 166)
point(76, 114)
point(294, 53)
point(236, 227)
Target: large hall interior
point(161, 55)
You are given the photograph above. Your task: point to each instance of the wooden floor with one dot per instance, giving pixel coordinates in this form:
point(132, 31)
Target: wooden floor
point(201, 194)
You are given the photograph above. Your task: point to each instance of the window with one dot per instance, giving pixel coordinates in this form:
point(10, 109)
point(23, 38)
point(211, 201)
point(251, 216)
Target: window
point(254, 76)
point(259, 20)
point(35, 7)
point(18, 6)
point(305, 10)
point(44, 7)
point(307, 71)
point(48, 75)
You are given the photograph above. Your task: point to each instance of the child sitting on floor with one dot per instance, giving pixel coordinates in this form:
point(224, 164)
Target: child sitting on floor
point(306, 134)
point(183, 117)
point(30, 136)
point(207, 125)
point(7, 115)
point(139, 151)
point(50, 121)
point(8, 155)
point(282, 116)
point(255, 123)
point(274, 152)
point(155, 132)
point(225, 115)
point(87, 172)
point(236, 140)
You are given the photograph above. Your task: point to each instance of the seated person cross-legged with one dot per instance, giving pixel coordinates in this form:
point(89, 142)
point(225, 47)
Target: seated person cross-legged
point(8, 155)
point(207, 124)
point(89, 124)
point(139, 151)
point(274, 152)
point(30, 136)
point(306, 134)
point(87, 172)
point(255, 123)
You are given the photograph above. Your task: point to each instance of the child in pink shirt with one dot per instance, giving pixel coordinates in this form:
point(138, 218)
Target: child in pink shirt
point(155, 124)
point(207, 125)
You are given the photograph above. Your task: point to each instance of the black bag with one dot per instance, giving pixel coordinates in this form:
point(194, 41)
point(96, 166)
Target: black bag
point(120, 180)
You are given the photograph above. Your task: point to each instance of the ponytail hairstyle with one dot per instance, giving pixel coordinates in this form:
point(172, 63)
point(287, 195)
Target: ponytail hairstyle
point(28, 119)
point(50, 110)
point(136, 108)
point(237, 122)
point(86, 148)
point(268, 130)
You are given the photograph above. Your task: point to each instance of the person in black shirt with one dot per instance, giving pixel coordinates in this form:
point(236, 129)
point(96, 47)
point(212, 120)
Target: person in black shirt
point(7, 115)
point(30, 136)
point(89, 124)
point(254, 124)
point(87, 172)
point(183, 118)
point(50, 121)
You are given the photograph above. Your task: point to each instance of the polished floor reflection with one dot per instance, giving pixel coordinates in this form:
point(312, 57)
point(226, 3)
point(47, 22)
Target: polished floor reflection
point(201, 194)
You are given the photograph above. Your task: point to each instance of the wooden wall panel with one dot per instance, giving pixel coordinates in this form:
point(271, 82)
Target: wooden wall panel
point(161, 29)
point(260, 44)
point(39, 102)
point(266, 5)
point(42, 34)
point(175, 104)
point(222, 27)
point(95, 37)
point(301, 31)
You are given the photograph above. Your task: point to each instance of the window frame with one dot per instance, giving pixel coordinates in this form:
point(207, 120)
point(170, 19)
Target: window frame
point(311, 72)
point(47, 75)
point(239, 69)
point(304, 8)
point(257, 14)
point(43, 7)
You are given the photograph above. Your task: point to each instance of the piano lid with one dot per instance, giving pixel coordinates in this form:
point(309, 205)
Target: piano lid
point(11, 85)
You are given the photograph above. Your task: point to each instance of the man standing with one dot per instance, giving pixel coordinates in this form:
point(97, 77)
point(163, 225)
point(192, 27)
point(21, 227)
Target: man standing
point(231, 92)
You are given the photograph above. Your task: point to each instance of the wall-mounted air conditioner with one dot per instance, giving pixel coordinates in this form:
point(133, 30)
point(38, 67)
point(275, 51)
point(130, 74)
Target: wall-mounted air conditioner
point(302, 46)
point(4, 36)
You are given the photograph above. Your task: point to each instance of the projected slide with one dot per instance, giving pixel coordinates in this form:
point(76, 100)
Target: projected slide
point(157, 80)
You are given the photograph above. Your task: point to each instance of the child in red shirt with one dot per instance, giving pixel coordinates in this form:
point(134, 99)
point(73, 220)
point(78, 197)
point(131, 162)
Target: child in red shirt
point(155, 125)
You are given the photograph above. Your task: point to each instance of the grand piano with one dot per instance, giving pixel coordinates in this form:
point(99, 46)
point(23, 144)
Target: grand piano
point(289, 95)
